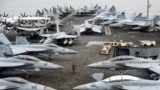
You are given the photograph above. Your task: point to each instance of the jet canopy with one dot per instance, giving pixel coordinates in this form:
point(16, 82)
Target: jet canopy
point(122, 58)
point(52, 45)
point(26, 57)
point(120, 78)
point(17, 80)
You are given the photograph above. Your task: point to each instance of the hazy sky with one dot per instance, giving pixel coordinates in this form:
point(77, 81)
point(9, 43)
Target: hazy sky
point(30, 6)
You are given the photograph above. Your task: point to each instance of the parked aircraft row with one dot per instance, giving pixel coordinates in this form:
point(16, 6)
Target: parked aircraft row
point(26, 64)
point(45, 18)
point(144, 67)
point(23, 46)
point(127, 82)
point(121, 82)
point(17, 83)
point(94, 24)
point(111, 17)
point(129, 63)
point(117, 19)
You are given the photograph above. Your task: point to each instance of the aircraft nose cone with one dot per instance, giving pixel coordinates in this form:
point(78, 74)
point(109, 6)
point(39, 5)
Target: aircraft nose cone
point(94, 65)
point(81, 87)
point(60, 67)
point(49, 88)
point(69, 51)
point(73, 51)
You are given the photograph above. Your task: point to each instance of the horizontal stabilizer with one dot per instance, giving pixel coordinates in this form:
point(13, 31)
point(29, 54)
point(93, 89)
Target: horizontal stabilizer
point(4, 39)
point(5, 50)
point(155, 69)
point(97, 30)
point(158, 58)
point(98, 76)
point(2, 54)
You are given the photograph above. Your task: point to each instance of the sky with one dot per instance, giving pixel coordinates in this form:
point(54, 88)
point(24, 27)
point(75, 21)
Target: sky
point(15, 7)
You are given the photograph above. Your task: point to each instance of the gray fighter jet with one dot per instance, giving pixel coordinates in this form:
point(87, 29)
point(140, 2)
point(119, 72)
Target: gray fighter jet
point(24, 64)
point(141, 24)
point(59, 37)
point(16, 83)
point(121, 23)
point(23, 46)
point(86, 27)
point(121, 82)
point(85, 11)
point(129, 63)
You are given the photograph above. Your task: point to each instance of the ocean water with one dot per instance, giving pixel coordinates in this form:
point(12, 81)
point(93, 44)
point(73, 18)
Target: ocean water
point(15, 7)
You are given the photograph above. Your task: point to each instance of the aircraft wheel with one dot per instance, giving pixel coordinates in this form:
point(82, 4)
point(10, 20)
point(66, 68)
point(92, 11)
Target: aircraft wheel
point(28, 75)
point(152, 44)
point(49, 57)
point(65, 41)
point(127, 45)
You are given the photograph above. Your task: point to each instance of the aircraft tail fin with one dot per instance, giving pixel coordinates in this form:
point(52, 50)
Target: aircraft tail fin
point(158, 57)
point(69, 27)
point(21, 40)
point(56, 16)
point(5, 50)
point(41, 32)
point(137, 17)
point(96, 6)
point(133, 16)
point(113, 10)
point(155, 20)
point(97, 12)
point(121, 16)
point(4, 39)
point(2, 54)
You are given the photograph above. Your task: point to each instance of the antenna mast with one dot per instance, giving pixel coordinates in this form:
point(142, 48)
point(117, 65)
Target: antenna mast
point(148, 6)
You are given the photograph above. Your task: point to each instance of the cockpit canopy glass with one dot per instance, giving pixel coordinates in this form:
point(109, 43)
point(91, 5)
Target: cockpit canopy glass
point(121, 58)
point(26, 57)
point(17, 80)
point(120, 78)
point(52, 45)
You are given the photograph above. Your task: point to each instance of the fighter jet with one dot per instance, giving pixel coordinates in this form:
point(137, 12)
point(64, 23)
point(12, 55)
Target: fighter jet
point(24, 63)
point(59, 37)
point(144, 25)
point(87, 11)
point(23, 46)
point(88, 28)
point(121, 23)
point(121, 82)
point(108, 15)
point(129, 63)
point(138, 24)
point(35, 63)
point(17, 83)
